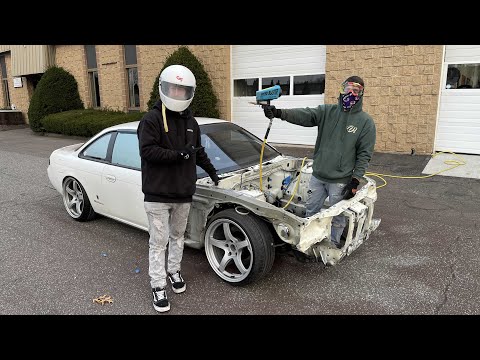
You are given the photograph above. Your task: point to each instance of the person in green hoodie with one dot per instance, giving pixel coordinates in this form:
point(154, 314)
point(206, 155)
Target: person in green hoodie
point(344, 146)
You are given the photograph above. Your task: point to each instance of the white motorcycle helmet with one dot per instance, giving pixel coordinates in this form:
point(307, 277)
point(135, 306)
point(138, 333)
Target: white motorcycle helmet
point(177, 87)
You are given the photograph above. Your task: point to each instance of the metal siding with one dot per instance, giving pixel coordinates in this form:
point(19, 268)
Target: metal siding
point(276, 60)
point(4, 48)
point(31, 59)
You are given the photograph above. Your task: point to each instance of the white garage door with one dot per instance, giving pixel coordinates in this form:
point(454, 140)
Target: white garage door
point(298, 69)
point(458, 127)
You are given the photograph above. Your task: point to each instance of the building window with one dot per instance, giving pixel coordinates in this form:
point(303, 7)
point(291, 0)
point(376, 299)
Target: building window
point(93, 75)
point(245, 87)
point(309, 84)
point(283, 81)
point(3, 74)
point(132, 76)
point(463, 76)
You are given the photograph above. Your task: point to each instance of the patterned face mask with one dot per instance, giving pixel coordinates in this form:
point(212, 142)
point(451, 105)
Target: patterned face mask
point(351, 93)
point(348, 100)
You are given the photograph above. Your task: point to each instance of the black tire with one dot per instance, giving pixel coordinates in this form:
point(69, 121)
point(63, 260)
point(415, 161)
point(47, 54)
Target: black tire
point(76, 200)
point(244, 255)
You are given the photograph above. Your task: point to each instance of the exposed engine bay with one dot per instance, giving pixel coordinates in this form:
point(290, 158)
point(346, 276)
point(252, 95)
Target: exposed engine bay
point(284, 195)
point(280, 178)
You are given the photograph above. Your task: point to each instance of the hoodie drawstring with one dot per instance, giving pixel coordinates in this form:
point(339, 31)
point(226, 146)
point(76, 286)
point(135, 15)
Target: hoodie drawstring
point(164, 116)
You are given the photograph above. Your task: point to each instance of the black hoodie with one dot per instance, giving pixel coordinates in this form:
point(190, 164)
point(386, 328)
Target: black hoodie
point(166, 177)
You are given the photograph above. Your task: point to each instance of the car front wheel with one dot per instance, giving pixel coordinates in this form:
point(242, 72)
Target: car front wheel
point(76, 200)
point(239, 247)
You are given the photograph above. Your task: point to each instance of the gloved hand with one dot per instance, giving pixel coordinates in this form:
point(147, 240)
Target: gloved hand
point(215, 178)
point(185, 154)
point(270, 111)
point(350, 189)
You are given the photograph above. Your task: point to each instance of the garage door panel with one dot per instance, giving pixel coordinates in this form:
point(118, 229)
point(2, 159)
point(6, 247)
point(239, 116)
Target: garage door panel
point(462, 53)
point(458, 147)
point(451, 134)
point(251, 61)
point(457, 114)
point(458, 127)
point(468, 124)
point(460, 95)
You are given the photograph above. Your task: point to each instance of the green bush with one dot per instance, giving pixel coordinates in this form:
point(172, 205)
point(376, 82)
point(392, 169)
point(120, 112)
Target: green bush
point(86, 123)
point(56, 91)
point(205, 101)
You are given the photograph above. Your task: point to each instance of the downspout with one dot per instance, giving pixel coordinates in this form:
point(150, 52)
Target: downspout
point(443, 74)
point(231, 86)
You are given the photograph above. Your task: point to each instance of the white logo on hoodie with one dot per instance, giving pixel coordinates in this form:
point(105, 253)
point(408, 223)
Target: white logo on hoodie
point(351, 129)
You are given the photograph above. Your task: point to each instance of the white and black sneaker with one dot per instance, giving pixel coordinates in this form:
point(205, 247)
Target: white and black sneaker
point(160, 301)
point(178, 284)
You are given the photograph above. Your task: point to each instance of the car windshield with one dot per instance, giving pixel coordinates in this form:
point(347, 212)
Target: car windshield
point(231, 148)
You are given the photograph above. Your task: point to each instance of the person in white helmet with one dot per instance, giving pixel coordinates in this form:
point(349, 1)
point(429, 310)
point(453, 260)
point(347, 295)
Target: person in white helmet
point(170, 149)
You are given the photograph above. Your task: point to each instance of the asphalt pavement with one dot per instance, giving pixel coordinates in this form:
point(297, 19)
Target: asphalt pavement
point(423, 258)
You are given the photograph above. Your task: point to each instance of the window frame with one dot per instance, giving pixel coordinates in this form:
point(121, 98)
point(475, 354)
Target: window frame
point(95, 98)
point(108, 157)
point(5, 89)
point(444, 81)
point(127, 71)
point(291, 84)
point(132, 132)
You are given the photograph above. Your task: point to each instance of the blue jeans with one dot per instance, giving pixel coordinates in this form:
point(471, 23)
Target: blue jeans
point(319, 190)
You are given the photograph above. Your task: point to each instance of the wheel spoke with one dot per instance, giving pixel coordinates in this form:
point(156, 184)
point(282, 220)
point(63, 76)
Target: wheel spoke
point(223, 264)
point(79, 207)
point(70, 191)
point(238, 262)
point(228, 233)
point(217, 243)
point(241, 244)
point(71, 203)
point(76, 187)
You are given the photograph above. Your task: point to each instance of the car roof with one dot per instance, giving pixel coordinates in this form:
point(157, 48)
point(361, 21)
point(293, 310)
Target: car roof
point(134, 124)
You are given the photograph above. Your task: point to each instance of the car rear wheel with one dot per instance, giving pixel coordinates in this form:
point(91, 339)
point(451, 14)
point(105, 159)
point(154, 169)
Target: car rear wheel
point(239, 247)
point(76, 200)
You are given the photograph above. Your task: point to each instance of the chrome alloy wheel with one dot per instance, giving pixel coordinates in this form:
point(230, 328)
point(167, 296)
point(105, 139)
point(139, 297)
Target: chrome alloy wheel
point(73, 197)
point(229, 250)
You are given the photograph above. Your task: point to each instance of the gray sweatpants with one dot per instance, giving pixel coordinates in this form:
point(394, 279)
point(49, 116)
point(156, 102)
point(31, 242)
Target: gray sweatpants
point(166, 225)
point(319, 190)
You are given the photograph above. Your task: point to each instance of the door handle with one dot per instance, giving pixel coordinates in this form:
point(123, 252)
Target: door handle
point(110, 178)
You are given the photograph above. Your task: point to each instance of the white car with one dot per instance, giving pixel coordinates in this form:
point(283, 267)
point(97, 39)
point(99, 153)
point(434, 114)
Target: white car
point(238, 223)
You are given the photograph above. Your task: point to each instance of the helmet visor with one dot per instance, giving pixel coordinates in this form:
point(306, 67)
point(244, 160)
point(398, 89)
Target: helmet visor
point(351, 87)
point(176, 91)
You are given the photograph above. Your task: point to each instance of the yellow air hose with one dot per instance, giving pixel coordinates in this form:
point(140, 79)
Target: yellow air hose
point(455, 164)
point(261, 160)
point(296, 185)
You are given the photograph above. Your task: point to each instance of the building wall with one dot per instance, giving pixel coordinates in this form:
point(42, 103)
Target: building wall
point(72, 59)
point(215, 59)
point(401, 90)
point(150, 59)
point(20, 97)
point(112, 77)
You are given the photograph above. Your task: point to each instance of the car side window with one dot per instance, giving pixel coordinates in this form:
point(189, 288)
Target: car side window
point(125, 151)
point(98, 149)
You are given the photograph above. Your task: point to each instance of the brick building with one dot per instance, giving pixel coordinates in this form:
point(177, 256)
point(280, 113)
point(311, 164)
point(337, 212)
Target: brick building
point(421, 97)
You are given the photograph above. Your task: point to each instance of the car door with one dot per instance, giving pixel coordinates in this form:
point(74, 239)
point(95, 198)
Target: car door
point(89, 169)
point(122, 181)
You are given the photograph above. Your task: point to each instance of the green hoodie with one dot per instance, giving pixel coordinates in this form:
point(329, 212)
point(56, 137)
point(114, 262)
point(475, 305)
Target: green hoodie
point(345, 139)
